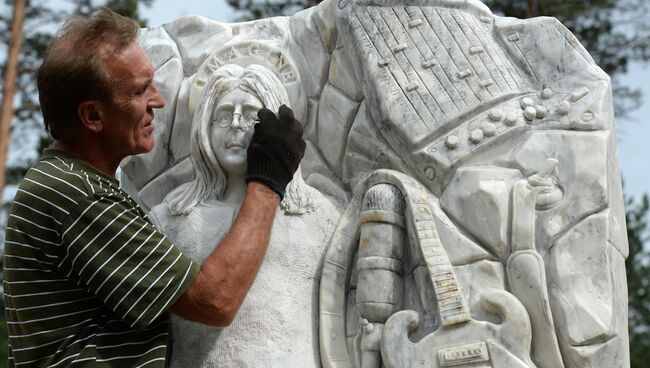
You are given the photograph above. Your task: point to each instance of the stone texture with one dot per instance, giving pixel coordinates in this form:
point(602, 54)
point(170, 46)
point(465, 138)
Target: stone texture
point(498, 135)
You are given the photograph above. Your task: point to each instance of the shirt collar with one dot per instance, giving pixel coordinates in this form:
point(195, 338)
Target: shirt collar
point(52, 153)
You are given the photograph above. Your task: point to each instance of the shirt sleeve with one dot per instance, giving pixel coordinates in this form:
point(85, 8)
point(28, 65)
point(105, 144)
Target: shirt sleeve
point(122, 259)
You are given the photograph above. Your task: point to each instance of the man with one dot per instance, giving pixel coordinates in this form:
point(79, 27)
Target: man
point(88, 279)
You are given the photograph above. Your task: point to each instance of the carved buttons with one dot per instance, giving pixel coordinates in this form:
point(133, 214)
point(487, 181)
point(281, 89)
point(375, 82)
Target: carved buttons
point(547, 93)
point(476, 136)
point(400, 47)
point(486, 83)
point(476, 50)
point(464, 73)
point(452, 142)
point(579, 94)
point(530, 113)
point(412, 86)
point(527, 102)
point(511, 119)
point(587, 116)
point(430, 173)
point(415, 23)
point(488, 129)
point(428, 64)
point(495, 115)
point(564, 108)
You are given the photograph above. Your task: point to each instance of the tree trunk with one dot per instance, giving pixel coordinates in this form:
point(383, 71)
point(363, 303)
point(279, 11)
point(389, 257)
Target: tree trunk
point(532, 9)
point(7, 112)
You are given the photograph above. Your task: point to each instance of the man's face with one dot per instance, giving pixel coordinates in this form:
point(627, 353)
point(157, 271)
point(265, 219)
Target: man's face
point(128, 121)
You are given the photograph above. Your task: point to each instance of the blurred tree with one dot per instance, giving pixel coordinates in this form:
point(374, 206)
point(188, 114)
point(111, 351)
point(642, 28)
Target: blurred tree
point(638, 280)
point(257, 9)
point(41, 20)
point(9, 85)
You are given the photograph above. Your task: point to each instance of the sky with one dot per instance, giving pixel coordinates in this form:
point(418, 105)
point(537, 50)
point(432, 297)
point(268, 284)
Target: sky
point(163, 11)
point(634, 136)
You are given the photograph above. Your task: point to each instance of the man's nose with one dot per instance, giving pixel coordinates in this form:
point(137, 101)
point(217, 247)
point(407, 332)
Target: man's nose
point(156, 101)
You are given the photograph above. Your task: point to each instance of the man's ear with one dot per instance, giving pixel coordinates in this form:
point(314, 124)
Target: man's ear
point(90, 115)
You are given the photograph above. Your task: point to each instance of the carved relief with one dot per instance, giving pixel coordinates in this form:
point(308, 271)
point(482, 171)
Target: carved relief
point(198, 214)
point(473, 156)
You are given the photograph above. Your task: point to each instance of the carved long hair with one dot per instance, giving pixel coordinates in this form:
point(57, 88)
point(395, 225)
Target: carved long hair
point(210, 180)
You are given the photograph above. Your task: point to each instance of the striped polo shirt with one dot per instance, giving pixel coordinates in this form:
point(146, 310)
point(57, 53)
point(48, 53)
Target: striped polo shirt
point(87, 278)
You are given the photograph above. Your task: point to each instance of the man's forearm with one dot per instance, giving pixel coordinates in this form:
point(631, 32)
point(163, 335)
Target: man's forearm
point(227, 274)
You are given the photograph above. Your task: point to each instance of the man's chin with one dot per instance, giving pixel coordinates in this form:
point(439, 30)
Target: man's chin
point(146, 146)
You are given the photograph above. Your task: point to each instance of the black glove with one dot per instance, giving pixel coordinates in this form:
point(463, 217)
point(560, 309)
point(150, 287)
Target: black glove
point(275, 150)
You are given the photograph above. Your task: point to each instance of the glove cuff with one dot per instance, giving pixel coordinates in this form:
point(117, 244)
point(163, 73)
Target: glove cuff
point(269, 183)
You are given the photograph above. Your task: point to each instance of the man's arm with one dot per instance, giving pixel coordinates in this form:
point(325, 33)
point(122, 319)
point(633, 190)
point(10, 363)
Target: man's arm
point(218, 290)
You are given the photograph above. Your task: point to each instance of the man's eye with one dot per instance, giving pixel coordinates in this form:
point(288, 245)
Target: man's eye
point(142, 90)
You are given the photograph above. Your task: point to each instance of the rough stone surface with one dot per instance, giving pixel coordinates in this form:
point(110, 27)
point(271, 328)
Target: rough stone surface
point(497, 135)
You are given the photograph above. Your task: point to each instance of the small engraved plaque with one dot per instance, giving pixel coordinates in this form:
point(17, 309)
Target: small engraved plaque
point(463, 354)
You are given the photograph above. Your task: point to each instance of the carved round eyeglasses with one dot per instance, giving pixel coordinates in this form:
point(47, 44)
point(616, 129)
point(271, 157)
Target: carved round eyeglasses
point(224, 119)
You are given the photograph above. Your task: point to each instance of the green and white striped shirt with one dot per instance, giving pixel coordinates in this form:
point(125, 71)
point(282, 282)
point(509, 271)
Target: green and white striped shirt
point(87, 278)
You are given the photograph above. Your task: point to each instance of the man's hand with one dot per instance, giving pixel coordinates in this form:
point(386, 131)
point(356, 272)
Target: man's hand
point(276, 149)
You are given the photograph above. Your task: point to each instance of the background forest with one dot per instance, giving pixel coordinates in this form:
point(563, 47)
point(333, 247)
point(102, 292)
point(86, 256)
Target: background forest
point(615, 32)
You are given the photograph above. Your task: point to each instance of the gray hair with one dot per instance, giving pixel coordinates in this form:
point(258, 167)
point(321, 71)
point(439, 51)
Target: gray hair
point(210, 181)
point(73, 68)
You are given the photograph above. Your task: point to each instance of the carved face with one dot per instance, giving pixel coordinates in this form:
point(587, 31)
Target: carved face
point(232, 129)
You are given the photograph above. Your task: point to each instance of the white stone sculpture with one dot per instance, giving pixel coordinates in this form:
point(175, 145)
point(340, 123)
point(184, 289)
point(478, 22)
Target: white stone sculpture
point(276, 323)
point(475, 158)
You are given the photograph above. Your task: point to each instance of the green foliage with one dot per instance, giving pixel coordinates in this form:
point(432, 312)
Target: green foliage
point(638, 281)
point(41, 21)
point(16, 172)
point(257, 9)
point(128, 8)
point(27, 117)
